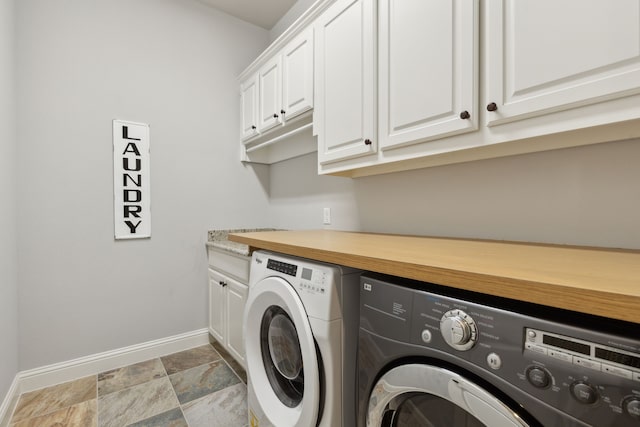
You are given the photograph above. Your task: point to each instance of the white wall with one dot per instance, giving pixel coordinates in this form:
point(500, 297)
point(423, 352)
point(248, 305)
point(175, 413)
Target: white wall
point(172, 64)
point(8, 236)
point(582, 196)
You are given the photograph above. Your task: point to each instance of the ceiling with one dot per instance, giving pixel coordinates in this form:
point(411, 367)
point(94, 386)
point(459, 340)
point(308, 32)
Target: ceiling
point(263, 13)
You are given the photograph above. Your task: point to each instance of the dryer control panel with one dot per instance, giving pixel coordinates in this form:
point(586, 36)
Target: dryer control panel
point(605, 369)
point(608, 359)
point(584, 373)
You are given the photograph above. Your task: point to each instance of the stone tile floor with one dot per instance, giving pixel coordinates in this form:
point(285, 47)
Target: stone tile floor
point(201, 387)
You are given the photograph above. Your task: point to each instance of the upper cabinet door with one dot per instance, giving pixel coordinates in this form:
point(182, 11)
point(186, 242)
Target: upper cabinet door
point(428, 84)
point(297, 76)
point(270, 83)
point(548, 55)
point(344, 114)
point(249, 108)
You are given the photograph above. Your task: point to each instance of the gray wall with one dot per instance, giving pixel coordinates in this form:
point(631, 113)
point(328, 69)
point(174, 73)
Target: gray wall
point(171, 64)
point(583, 196)
point(8, 239)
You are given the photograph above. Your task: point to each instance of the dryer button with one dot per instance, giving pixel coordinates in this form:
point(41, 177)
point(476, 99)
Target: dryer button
point(620, 372)
point(426, 336)
point(565, 357)
point(587, 363)
point(494, 361)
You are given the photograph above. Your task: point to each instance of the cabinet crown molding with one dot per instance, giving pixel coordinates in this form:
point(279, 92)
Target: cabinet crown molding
point(300, 24)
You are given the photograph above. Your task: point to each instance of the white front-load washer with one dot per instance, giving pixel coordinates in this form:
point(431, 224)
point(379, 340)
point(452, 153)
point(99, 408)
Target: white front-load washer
point(300, 329)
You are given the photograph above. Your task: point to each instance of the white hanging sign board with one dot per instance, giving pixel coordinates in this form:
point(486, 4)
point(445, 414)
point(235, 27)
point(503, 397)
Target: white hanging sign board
point(131, 191)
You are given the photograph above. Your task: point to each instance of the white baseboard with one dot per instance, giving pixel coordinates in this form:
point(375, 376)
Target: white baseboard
point(57, 373)
point(9, 402)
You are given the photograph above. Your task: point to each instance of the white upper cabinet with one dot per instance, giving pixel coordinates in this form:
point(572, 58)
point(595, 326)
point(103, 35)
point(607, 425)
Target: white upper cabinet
point(249, 107)
point(428, 65)
point(270, 99)
point(546, 55)
point(404, 84)
point(280, 85)
point(286, 83)
point(297, 76)
point(345, 84)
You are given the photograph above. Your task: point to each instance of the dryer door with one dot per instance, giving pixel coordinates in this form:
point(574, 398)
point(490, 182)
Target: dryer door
point(430, 396)
point(281, 358)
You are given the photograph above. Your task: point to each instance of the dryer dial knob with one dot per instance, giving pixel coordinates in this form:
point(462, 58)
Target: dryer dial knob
point(539, 377)
point(458, 329)
point(584, 392)
point(631, 406)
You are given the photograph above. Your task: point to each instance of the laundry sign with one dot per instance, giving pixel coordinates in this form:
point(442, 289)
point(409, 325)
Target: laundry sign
point(131, 191)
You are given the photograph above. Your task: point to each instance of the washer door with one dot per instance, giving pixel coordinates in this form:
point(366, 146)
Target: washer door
point(281, 358)
point(430, 396)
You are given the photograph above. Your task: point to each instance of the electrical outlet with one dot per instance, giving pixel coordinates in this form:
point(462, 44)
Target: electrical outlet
point(326, 216)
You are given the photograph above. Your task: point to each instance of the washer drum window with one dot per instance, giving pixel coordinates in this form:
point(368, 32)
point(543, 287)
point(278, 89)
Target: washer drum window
point(282, 356)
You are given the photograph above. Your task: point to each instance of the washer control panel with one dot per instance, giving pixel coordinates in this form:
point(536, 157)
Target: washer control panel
point(282, 267)
point(312, 280)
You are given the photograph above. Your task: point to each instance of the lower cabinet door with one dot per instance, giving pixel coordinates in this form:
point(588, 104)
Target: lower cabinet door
point(217, 302)
point(236, 300)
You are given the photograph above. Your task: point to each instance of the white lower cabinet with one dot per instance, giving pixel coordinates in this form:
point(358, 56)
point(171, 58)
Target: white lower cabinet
point(227, 298)
point(236, 297)
point(217, 306)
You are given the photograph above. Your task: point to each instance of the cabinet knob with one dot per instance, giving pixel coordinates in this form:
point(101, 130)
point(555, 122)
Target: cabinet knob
point(253, 127)
point(282, 112)
point(367, 142)
point(492, 106)
point(465, 115)
point(275, 116)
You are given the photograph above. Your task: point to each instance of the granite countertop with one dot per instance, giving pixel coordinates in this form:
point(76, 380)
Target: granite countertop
point(220, 239)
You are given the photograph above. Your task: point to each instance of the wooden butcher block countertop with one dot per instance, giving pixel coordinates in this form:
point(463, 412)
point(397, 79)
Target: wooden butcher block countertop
point(603, 282)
